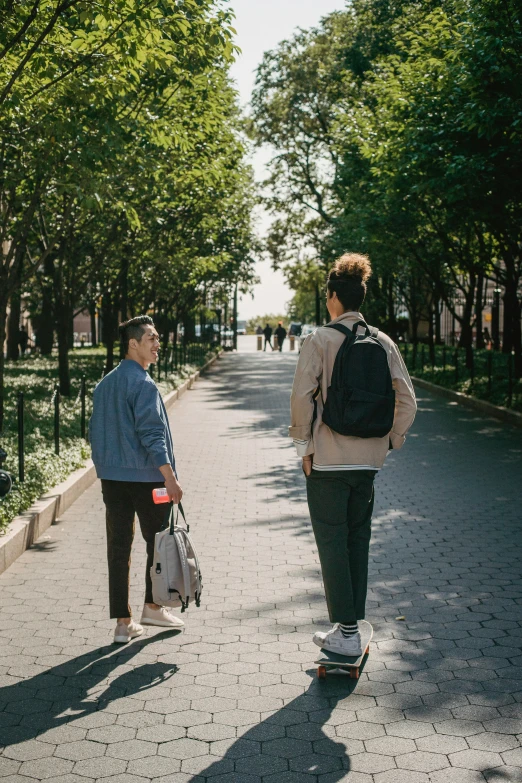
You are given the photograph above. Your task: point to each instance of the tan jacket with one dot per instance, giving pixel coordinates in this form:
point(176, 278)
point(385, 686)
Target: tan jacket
point(330, 450)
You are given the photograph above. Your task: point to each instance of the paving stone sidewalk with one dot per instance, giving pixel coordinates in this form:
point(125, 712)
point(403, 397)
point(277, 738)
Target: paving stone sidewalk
point(235, 699)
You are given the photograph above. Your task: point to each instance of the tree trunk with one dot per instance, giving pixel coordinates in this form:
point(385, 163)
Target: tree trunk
point(431, 336)
point(514, 338)
point(13, 323)
point(479, 306)
point(62, 330)
point(392, 321)
point(110, 323)
point(92, 314)
point(3, 319)
point(507, 327)
point(189, 325)
point(45, 331)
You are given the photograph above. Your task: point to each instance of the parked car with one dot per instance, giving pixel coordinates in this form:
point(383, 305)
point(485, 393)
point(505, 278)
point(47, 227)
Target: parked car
point(305, 331)
point(294, 330)
point(241, 327)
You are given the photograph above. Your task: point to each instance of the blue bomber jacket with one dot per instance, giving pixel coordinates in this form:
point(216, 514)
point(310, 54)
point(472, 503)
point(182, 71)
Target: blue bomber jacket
point(129, 428)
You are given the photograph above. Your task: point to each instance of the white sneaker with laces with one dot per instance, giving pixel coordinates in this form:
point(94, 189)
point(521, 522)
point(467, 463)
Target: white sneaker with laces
point(123, 633)
point(161, 617)
point(334, 641)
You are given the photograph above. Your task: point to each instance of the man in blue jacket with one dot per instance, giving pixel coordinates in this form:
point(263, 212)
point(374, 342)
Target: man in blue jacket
point(133, 454)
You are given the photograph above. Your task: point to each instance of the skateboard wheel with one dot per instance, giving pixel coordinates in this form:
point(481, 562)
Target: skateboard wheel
point(321, 672)
point(354, 674)
point(367, 650)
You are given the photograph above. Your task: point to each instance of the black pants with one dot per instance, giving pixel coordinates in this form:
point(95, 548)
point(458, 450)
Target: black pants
point(268, 340)
point(124, 499)
point(341, 506)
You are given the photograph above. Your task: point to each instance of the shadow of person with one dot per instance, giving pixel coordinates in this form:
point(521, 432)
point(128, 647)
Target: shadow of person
point(298, 742)
point(77, 688)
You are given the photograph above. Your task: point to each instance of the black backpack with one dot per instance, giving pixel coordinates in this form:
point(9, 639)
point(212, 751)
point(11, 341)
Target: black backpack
point(361, 399)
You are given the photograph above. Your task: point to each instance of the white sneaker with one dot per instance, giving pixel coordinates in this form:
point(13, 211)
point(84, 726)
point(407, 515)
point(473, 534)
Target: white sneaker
point(334, 641)
point(161, 617)
point(123, 633)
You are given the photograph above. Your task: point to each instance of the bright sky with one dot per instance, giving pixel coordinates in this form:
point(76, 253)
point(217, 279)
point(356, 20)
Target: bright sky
point(260, 25)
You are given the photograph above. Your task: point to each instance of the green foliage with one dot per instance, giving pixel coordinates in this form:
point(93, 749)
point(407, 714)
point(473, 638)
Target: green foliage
point(397, 130)
point(270, 319)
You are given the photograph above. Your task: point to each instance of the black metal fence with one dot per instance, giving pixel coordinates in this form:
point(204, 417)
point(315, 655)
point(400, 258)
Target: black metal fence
point(484, 373)
point(174, 359)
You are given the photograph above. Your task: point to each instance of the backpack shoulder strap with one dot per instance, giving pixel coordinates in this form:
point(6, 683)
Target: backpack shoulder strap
point(373, 331)
point(340, 328)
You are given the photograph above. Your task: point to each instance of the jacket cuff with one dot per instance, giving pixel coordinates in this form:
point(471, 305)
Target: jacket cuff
point(304, 447)
point(160, 457)
point(301, 433)
point(397, 441)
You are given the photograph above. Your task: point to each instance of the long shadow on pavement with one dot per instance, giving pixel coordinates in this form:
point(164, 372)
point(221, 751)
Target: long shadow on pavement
point(75, 689)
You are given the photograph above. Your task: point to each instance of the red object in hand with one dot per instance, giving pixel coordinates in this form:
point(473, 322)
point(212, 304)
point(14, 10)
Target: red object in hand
point(160, 495)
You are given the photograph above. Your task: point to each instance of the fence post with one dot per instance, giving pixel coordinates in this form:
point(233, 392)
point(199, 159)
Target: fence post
point(159, 368)
point(57, 419)
point(472, 370)
point(456, 365)
point(489, 369)
point(82, 408)
point(510, 380)
point(21, 439)
point(443, 358)
point(422, 357)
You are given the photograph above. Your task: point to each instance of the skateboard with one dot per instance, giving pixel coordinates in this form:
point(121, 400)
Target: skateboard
point(343, 664)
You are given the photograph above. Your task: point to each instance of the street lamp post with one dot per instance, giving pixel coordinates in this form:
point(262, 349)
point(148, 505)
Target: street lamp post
point(495, 319)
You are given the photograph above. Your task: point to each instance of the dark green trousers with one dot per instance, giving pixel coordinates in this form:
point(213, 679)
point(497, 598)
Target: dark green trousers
point(341, 506)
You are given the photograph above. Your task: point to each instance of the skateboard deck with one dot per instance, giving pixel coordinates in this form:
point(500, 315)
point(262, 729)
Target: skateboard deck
point(342, 664)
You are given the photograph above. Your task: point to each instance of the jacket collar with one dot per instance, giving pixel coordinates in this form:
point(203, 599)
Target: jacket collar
point(350, 315)
point(130, 365)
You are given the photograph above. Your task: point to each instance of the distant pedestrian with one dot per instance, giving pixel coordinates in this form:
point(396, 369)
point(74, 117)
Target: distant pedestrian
point(280, 333)
point(133, 454)
point(23, 339)
point(267, 331)
point(259, 329)
point(340, 468)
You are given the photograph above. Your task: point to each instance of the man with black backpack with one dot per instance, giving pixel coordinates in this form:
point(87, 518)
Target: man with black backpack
point(352, 400)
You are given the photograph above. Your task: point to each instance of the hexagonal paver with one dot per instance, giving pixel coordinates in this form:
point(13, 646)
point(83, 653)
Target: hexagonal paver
point(513, 757)
point(442, 743)
point(475, 759)
point(390, 746)
point(459, 728)
point(82, 749)
point(154, 766)
point(110, 734)
point(261, 765)
point(287, 748)
point(371, 763)
point(237, 717)
point(60, 734)
point(188, 718)
point(45, 768)
point(8, 766)
point(489, 740)
point(100, 768)
point(209, 732)
point(131, 749)
point(183, 749)
point(29, 750)
point(211, 767)
point(360, 730)
point(401, 776)
point(380, 715)
point(162, 733)
point(422, 761)
point(501, 774)
point(167, 706)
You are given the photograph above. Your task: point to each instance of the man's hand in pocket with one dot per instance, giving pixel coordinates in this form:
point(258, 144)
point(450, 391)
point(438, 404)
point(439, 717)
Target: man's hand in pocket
point(307, 464)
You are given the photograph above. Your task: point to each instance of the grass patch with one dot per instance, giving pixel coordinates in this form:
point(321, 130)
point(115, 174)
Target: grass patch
point(36, 377)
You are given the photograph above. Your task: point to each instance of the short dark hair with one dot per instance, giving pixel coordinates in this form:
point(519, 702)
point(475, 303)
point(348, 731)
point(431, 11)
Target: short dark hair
point(133, 330)
point(348, 278)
